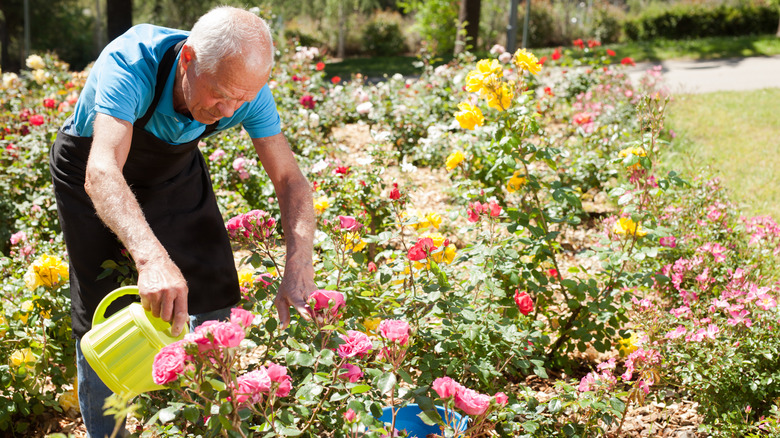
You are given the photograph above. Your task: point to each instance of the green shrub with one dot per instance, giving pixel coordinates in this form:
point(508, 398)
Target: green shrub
point(383, 37)
point(687, 21)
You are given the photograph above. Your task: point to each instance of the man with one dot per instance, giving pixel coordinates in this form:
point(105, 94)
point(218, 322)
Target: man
point(128, 175)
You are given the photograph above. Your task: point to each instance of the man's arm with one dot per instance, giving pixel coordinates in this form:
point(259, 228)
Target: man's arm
point(161, 285)
point(295, 202)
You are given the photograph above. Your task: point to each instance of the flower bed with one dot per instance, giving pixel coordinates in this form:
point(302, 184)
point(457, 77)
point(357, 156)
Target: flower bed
point(447, 307)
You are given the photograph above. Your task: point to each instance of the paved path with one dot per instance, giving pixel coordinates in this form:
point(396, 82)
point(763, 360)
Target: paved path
point(717, 75)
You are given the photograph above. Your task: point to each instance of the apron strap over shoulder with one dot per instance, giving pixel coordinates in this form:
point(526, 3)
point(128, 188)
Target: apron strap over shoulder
point(163, 70)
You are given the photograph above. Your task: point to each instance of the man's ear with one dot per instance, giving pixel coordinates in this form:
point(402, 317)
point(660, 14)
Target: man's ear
point(187, 56)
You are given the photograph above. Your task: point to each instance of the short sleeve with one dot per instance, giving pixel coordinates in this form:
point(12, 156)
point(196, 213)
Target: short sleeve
point(262, 119)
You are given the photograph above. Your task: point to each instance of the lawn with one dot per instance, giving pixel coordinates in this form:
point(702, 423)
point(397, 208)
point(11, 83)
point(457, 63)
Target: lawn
point(736, 134)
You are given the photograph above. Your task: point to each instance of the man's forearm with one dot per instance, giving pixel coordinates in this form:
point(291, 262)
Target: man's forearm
point(298, 223)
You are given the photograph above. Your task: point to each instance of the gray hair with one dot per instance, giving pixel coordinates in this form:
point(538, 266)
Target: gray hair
point(225, 32)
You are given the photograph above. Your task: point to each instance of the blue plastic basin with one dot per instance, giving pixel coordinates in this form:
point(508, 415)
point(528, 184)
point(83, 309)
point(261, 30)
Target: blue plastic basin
point(406, 419)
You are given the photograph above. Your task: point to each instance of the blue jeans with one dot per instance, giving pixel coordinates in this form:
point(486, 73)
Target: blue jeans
point(93, 392)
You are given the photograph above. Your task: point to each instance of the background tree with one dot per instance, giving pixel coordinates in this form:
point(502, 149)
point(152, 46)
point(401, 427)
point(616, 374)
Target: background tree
point(468, 24)
point(119, 17)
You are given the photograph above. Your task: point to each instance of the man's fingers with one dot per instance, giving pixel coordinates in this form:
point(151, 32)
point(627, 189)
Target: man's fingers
point(284, 312)
point(166, 308)
point(179, 321)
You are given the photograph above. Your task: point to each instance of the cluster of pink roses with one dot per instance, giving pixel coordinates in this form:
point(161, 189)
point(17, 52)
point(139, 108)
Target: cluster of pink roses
point(467, 400)
point(325, 306)
point(210, 337)
point(357, 344)
point(476, 209)
point(271, 380)
point(256, 224)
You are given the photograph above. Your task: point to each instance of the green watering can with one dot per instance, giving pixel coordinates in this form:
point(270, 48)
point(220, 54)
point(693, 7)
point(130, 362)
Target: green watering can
point(121, 348)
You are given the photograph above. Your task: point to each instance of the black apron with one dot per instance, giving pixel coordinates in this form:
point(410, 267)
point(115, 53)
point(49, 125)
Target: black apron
point(173, 188)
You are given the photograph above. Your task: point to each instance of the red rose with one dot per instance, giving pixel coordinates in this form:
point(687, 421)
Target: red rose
point(36, 120)
point(49, 103)
point(335, 80)
point(579, 43)
point(524, 302)
point(610, 52)
point(307, 101)
point(627, 61)
point(556, 55)
point(395, 194)
point(421, 249)
point(320, 66)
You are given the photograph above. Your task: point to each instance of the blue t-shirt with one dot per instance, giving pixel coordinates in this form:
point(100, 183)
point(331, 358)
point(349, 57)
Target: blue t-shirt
point(121, 84)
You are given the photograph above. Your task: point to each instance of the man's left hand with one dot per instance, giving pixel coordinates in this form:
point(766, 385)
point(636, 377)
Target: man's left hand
point(294, 291)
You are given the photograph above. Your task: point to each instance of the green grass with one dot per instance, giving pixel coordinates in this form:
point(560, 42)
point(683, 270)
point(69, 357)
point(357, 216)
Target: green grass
point(736, 134)
point(656, 50)
point(703, 48)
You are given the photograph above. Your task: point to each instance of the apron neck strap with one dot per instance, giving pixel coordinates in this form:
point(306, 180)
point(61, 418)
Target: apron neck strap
point(163, 70)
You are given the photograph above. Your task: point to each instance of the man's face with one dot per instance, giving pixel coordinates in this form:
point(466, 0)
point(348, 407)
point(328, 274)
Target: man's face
point(212, 96)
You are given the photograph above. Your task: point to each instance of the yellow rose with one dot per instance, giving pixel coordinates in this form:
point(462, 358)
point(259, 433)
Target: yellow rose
point(474, 81)
point(3, 324)
point(40, 76)
point(35, 62)
point(469, 116)
point(638, 151)
point(447, 255)
point(438, 238)
point(625, 225)
point(501, 98)
point(9, 79)
point(628, 345)
point(371, 323)
point(23, 358)
point(321, 204)
point(490, 67)
point(47, 271)
point(525, 60)
point(515, 183)
point(454, 159)
point(69, 400)
point(246, 277)
point(432, 219)
point(353, 242)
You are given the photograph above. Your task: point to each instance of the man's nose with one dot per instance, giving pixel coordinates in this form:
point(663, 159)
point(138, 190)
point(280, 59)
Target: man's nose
point(225, 109)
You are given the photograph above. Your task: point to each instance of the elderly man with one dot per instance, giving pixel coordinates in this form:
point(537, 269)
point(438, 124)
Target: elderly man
point(128, 175)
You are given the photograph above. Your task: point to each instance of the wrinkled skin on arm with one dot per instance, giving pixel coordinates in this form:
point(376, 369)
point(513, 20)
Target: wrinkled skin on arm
point(295, 201)
point(161, 285)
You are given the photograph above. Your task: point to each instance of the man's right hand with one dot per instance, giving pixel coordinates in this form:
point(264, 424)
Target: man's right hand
point(163, 291)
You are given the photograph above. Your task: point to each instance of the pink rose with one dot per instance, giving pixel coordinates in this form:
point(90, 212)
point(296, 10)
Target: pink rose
point(242, 317)
point(355, 344)
point(394, 331)
point(668, 241)
point(445, 387)
point(495, 209)
point(501, 398)
point(216, 155)
point(252, 386)
point(471, 402)
point(350, 416)
point(19, 236)
point(234, 226)
point(226, 334)
point(327, 299)
point(278, 375)
point(353, 373)
point(349, 223)
point(168, 363)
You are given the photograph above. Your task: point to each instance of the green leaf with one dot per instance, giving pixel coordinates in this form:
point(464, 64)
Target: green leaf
point(360, 389)
point(290, 431)
point(191, 414)
point(386, 383)
point(405, 376)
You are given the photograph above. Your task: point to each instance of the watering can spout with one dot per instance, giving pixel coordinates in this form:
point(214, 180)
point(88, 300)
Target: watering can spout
point(121, 348)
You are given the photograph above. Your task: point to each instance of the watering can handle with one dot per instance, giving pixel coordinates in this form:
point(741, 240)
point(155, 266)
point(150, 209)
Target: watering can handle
point(100, 312)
